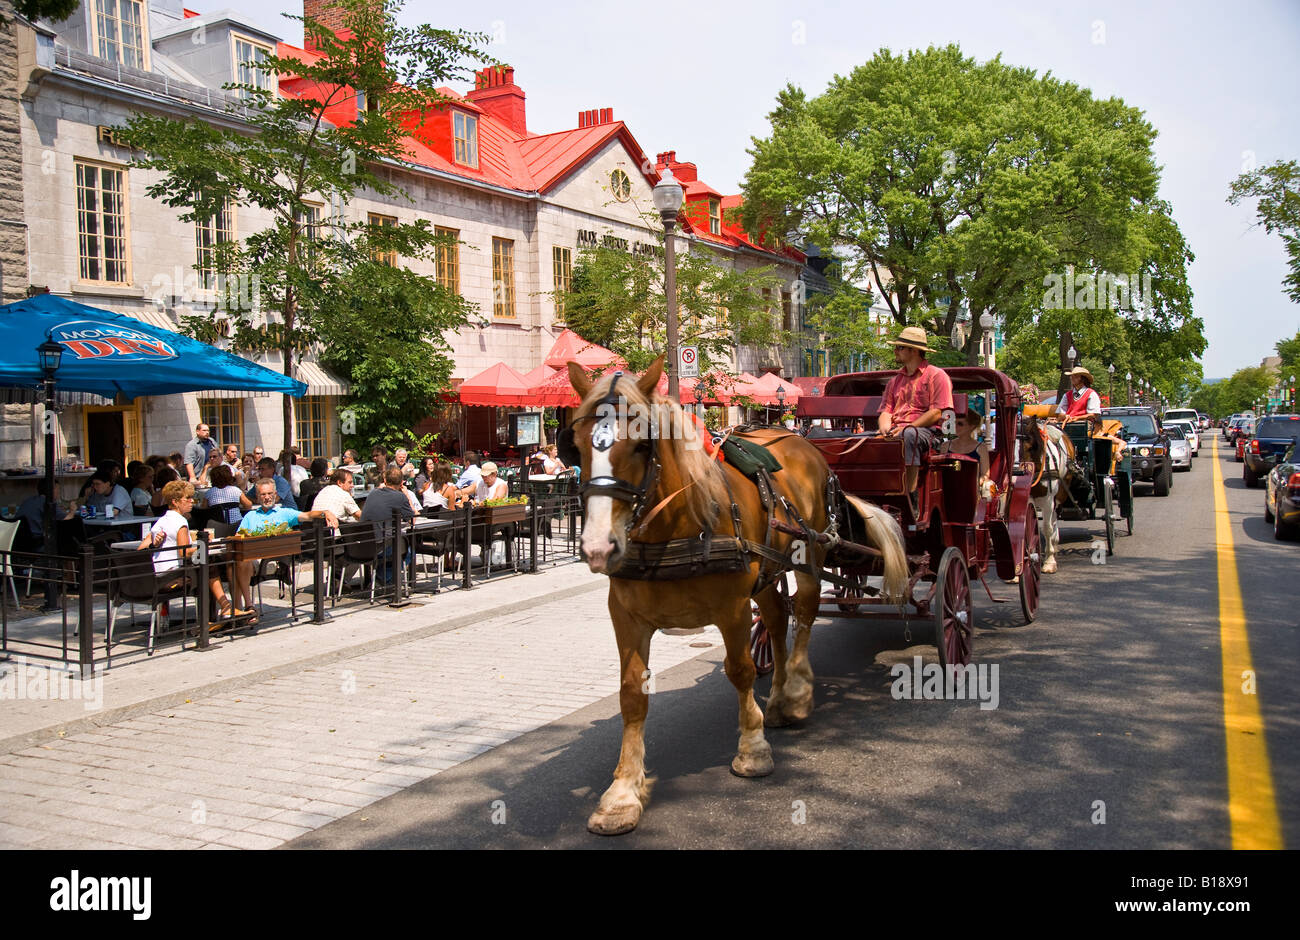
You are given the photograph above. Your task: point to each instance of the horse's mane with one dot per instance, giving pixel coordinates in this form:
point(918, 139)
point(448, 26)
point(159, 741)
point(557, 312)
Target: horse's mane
point(681, 450)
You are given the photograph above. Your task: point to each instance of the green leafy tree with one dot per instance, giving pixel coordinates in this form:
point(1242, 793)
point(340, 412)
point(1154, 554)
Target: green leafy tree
point(1289, 350)
point(1240, 391)
point(1205, 399)
point(1277, 187)
point(618, 300)
point(958, 188)
point(56, 10)
point(284, 151)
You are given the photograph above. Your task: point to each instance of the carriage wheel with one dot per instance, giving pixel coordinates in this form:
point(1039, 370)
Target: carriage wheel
point(1108, 507)
point(1129, 518)
point(854, 591)
point(760, 643)
point(954, 615)
point(1031, 568)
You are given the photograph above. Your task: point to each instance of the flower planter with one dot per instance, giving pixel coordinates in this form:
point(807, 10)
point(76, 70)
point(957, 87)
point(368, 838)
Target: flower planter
point(502, 515)
point(265, 546)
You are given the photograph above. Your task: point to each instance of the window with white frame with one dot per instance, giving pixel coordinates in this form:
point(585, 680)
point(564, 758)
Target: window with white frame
point(102, 223)
point(247, 54)
point(310, 431)
point(465, 129)
point(209, 233)
point(119, 28)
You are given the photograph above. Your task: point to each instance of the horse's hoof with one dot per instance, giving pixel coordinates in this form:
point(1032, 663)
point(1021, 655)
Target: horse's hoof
point(755, 764)
point(1049, 567)
point(616, 820)
point(775, 716)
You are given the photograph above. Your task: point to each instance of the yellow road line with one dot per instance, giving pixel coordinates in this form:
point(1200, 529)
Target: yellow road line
point(1252, 805)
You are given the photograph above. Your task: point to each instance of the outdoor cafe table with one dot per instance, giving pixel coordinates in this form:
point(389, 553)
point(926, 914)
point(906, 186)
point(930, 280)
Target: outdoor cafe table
point(120, 522)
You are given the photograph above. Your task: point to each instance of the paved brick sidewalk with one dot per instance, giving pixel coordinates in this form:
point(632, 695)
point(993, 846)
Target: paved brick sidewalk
point(258, 763)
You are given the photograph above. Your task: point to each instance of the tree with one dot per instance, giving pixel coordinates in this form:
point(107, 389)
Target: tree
point(284, 150)
point(1289, 350)
point(1240, 391)
point(963, 188)
point(56, 10)
point(1206, 399)
point(617, 300)
point(1277, 187)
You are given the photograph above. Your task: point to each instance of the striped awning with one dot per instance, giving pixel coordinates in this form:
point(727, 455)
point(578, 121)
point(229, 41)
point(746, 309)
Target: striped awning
point(319, 381)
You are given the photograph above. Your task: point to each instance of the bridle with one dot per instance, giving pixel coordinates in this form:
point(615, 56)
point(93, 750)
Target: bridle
point(603, 438)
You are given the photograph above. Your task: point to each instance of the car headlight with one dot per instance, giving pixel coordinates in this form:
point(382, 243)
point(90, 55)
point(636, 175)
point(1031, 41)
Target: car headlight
point(1144, 451)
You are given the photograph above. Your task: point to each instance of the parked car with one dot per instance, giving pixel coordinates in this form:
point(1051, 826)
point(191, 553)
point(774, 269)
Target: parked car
point(1204, 423)
point(1189, 432)
point(1241, 427)
point(1282, 495)
point(1180, 447)
point(1180, 414)
point(1148, 445)
point(1274, 436)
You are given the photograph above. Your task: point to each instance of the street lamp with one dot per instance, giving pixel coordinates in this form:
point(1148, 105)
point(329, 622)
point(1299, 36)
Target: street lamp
point(1128, 380)
point(986, 341)
point(1110, 391)
point(1073, 354)
point(699, 398)
point(668, 197)
point(1291, 394)
point(50, 356)
point(780, 404)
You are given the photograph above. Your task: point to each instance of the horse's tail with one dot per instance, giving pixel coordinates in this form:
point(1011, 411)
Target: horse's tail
point(885, 534)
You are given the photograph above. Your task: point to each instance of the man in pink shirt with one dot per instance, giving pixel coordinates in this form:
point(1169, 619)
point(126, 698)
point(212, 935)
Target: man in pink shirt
point(914, 401)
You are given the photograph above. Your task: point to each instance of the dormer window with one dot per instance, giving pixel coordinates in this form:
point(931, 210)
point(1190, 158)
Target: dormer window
point(119, 32)
point(465, 131)
point(715, 217)
point(248, 53)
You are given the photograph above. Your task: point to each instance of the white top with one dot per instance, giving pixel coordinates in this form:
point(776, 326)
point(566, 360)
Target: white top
point(498, 490)
point(167, 558)
point(338, 501)
point(140, 499)
point(296, 475)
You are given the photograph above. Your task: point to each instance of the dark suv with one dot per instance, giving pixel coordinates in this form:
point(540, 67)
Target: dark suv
point(1148, 446)
point(1274, 435)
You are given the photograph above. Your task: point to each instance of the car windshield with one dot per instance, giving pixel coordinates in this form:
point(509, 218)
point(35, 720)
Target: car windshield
point(1140, 425)
point(1180, 416)
point(1279, 428)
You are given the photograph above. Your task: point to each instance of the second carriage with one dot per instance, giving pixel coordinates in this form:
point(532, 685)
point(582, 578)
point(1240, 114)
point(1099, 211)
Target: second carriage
point(957, 530)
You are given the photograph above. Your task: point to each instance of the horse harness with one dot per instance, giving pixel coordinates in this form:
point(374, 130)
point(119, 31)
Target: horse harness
point(684, 558)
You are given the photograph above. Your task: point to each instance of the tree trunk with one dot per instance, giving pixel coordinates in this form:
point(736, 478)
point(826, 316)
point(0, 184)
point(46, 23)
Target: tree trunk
point(1067, 340)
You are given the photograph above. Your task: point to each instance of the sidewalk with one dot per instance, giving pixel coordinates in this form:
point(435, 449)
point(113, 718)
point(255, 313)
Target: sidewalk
point(268, 737)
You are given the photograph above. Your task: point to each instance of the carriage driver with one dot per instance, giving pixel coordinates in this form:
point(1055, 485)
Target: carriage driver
point(914, 402)
point(1081, 399)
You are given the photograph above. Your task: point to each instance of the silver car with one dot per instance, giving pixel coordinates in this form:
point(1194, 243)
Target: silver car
point(1189, 432)
point(1180, 450)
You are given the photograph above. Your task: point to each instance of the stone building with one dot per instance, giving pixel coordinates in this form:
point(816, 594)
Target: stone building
point(521, 203)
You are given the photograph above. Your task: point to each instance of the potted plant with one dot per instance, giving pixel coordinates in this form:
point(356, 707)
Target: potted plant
point(278, 541)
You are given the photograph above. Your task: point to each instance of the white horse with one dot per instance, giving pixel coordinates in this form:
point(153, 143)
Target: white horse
point(1052, 453)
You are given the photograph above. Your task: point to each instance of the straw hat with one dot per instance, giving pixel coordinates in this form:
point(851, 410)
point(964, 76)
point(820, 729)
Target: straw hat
point(1080, 370)
point(913, 336)
point(488, 467)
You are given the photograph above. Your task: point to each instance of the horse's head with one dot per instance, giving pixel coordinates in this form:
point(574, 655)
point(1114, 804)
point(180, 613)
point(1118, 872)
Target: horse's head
point(614, 439)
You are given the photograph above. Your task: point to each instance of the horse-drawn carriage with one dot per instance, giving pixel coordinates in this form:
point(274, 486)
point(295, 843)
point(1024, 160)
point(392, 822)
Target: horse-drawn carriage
point(1095, 473)
point(953, 533)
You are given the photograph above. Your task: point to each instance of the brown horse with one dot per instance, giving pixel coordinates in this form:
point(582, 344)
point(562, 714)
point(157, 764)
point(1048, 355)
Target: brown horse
point(649, 486)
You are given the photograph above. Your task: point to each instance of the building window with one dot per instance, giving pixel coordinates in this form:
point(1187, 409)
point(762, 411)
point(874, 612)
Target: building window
point(620, 185)
point(466, 133)
point(247, 54)
point(787, 311)
point(309, 220)
point(208, 234)
point(449, 258)
point(383, 221)
point(119, 31)
point(309, 430)
point(503, 278)
point(102, 223)
point(715, 217)
point(562, 261)
point(225, 417)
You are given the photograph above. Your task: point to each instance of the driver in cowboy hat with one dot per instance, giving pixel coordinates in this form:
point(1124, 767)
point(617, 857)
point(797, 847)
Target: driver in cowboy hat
point(914, 402)
point(1081, 400)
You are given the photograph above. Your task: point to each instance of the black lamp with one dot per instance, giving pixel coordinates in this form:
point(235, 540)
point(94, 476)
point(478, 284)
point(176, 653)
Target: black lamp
point(51, 356)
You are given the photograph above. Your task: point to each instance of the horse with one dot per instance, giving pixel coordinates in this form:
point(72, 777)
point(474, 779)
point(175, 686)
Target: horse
point(660, 513)
point(1053, 456)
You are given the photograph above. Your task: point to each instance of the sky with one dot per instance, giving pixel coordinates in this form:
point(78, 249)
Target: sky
point(1218, 81)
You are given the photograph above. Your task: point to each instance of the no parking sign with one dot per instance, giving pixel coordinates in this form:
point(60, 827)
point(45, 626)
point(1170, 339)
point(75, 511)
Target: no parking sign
point(688, 362)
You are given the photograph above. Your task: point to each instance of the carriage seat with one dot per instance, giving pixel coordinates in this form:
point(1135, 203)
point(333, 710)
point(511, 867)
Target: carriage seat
point(858, 406)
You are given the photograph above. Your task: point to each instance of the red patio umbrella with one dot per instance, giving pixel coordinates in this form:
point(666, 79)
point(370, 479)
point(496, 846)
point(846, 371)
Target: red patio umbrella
point(496, 385)
point(768, 383)
point(570, 346)
point(557, 391)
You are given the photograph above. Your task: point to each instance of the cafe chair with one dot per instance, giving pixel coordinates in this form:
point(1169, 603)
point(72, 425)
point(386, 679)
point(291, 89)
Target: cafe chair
point(132, 580)
point(8, 531)
point(359, 549)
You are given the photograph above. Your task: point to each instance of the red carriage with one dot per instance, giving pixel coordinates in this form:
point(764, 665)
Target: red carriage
point(956, 530)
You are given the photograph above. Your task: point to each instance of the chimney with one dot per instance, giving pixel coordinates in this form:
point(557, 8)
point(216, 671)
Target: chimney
point(326, 12)
point(595, 116)
point(497, 94)
point(685, 172)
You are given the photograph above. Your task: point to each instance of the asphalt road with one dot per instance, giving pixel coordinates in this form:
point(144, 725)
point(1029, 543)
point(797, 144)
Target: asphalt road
point(1114, 696)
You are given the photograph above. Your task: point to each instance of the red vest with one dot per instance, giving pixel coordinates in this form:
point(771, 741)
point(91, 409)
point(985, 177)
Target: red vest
point(1078, 407)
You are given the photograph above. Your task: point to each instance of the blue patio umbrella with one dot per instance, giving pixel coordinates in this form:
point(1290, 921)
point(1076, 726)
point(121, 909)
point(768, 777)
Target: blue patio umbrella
point(106, 353)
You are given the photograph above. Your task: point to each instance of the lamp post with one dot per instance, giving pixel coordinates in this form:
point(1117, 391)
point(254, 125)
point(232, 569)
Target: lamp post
point(699, 399)
point(780, 404)
point(51, 356)
point(986, 341)
point(1110, 388)
point(668, 197)
point(1128, 380)
point(1291, 394)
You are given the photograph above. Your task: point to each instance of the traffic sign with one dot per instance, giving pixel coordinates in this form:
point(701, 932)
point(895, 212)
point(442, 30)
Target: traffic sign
point(688, 362)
